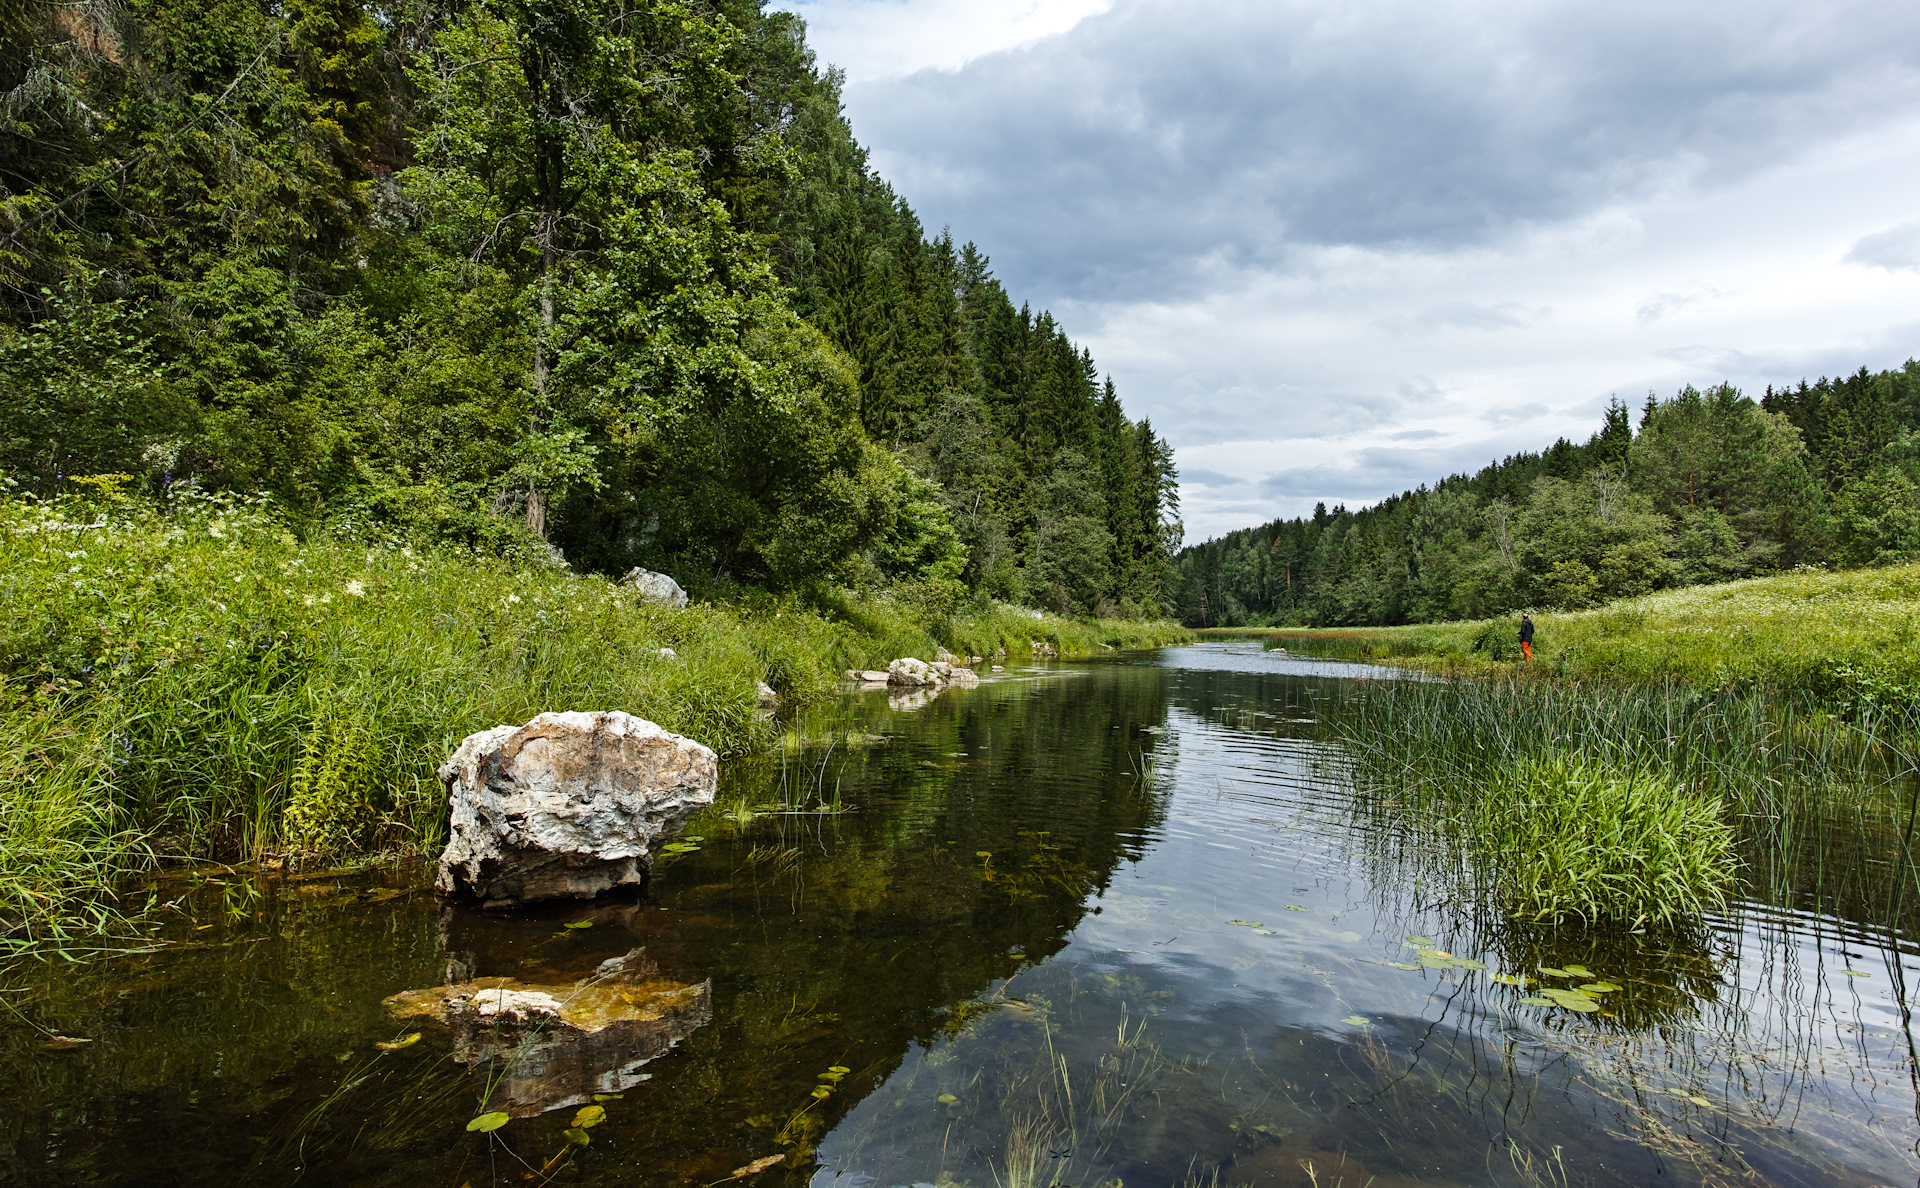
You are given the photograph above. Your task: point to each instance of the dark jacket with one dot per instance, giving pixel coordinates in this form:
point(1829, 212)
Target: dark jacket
point(1526, 630)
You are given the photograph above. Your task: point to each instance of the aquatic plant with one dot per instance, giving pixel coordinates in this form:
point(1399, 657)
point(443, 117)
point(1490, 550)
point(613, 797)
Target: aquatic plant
point(1565, 837)
point(1818, 811)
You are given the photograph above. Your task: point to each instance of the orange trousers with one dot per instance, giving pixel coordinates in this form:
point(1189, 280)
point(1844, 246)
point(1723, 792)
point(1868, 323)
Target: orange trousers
point(1526, 648)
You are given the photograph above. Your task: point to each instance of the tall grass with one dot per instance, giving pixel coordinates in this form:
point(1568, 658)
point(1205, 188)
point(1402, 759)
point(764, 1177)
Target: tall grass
point(1818, 811)
point(195, 681)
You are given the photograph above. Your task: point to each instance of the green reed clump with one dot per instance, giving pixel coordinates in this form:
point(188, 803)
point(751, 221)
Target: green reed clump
point(1567, 838)
point(1820, 809)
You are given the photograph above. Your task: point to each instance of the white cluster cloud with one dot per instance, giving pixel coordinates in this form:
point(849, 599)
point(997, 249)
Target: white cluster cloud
point(1336, 250)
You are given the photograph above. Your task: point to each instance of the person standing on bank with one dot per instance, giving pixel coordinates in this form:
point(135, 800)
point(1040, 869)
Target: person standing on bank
point(1526, 637)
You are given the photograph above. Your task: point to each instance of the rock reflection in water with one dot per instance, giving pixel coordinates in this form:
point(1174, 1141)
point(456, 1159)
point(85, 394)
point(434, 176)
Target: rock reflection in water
point(545, 1047)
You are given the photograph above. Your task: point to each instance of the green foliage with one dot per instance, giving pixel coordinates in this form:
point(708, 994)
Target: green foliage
point(618, 273)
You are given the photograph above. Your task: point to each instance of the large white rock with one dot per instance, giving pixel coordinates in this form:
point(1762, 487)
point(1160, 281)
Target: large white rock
point(567, 806)
point(655, 587)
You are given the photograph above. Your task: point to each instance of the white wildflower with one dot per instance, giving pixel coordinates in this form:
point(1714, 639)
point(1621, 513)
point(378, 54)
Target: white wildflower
point(356, 589)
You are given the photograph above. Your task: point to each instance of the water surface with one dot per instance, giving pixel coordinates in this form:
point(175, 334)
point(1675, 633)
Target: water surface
point(1090, 924)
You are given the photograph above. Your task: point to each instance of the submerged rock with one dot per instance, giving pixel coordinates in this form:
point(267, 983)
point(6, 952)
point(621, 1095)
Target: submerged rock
point(655, 587)
point(552, 1046)
point(768, 699)
point(567, 806)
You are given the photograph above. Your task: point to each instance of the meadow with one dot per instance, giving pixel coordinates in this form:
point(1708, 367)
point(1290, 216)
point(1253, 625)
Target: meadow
point(1846, 638)
point(202, 681)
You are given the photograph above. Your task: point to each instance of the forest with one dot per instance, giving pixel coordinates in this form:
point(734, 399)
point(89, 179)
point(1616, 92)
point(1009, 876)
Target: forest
point(1704, 487)
point(597, 279)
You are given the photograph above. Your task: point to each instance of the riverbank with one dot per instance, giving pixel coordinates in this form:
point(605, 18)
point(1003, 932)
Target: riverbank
point(1847, 638)
point(203, 684)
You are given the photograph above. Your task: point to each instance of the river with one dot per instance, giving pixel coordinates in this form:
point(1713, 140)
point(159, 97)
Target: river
point(1093, 923)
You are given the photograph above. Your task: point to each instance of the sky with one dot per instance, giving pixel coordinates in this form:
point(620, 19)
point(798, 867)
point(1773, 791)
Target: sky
point(1336, 250)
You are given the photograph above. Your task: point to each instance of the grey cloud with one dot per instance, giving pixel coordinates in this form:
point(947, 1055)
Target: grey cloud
point(1220, 410)
point(1463, 315)
point(1514, 414)
point(1417, 435)
point(1164, 141)
point(1894, 249)
point(1210, 478)
point(1661, 304)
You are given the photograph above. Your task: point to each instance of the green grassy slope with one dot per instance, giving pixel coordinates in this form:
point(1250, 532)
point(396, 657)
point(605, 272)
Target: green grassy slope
point(1848, 637)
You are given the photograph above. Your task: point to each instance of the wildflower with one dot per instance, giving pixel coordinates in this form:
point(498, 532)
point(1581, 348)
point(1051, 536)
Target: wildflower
point(356, 589)
point(513, 598)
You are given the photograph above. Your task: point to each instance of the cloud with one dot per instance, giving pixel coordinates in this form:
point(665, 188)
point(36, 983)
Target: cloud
point(1894, 250)
point(1465, 315)
point(1662, 304)
point(1209, 478)
point(1160, 142)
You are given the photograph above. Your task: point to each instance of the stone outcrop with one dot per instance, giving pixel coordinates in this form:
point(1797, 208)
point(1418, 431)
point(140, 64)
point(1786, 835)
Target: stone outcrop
point(567, 806)
point(544, 1047)
point(655, 587)
point(867, 676)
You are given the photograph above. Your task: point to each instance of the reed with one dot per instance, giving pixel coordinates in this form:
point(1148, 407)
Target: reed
point(1657, 793)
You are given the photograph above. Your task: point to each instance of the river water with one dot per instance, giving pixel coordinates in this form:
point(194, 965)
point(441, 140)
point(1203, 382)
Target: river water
point(1089, 924)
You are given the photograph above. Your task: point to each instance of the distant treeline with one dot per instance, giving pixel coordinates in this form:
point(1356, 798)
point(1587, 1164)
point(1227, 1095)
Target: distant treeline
point(1708, 486)
point(610, 274)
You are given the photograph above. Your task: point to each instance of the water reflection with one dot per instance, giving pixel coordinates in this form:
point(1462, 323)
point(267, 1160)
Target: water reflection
point(1117, 925)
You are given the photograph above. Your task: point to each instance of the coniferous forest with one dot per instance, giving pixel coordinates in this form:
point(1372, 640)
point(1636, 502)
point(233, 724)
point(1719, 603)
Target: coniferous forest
point(1703, 487)
point(614, 276)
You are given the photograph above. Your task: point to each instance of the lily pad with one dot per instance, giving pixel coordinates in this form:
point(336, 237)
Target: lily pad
point(1572, 1000)
point(592, 1115)
point(1265, 932)
point(578, 924)
point(608, 1096)
point(1247, 923)
point(679, 847)
point(1295, 907)
point(1699, 1101)
point(1579, 971)
point(1598, 988)
point(1356, 1020)
point(1420, 941)
point(1856, 973)
point(488, 1123)
point(1402, 965)
point(823, 1090)
point(947, 1099)
point(839, 1069)
point(1507, 979)
point(576, 1136)
point(1551, 972)
point(1536, 1000)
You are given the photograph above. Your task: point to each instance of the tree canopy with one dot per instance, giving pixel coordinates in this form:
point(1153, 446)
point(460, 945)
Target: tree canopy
point(1708, 486)
point(610, 275)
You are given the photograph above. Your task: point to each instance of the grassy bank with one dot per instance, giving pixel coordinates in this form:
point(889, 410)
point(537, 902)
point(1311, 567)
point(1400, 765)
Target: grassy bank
point(199, 683)
point(1849, 638)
